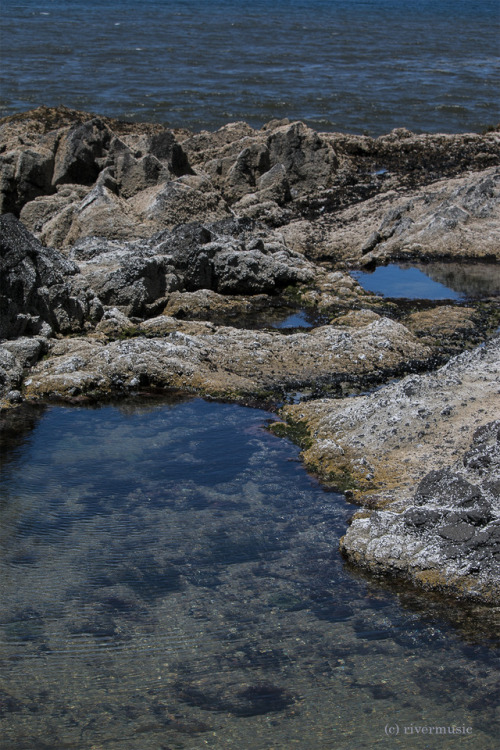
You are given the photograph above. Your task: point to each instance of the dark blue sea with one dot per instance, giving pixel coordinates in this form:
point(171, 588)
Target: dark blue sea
point(361, 66)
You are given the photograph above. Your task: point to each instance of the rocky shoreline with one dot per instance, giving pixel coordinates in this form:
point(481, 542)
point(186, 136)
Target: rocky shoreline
point(423, 456)
point(137, 258)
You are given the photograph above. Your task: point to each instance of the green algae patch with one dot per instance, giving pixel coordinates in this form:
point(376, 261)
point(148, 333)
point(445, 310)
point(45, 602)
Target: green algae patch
point(297, 432)
point(335, 477)
point(295, 294)
point(292, 294)
point(129, 333)
point(339, 478)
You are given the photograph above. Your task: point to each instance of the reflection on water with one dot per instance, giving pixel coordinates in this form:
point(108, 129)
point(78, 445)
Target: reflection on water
point(298, 319)
point(170, 579)
point(400, 281)
point(471, 280)
point(434, 281)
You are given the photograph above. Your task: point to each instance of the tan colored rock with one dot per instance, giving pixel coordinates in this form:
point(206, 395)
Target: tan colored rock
point(456, 218)
point(440, 323)
point(205, 304)
point(356, 318)
point(222, 360)
point(50, 216)
point(187, 199)
point(206, 146)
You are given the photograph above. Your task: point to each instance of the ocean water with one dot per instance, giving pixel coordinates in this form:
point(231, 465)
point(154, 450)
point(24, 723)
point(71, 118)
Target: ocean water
point(170, 579)
point(363, 66)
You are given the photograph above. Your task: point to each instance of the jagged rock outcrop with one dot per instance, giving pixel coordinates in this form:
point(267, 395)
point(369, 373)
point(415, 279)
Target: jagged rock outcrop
point(70, 175)
point(68, 147)
point(40, 285)
point(454, 218)
point(226, 257)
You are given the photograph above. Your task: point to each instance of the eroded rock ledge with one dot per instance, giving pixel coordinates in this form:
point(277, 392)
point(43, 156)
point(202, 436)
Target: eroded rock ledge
point(134, 257)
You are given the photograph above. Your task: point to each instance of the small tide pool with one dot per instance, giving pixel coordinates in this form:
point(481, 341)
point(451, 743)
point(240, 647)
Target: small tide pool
point(281, 317)
point(433, 281)
point(170, 578)
point(298, 319)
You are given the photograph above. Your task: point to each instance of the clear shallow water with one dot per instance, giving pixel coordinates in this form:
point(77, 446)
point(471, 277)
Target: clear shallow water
point(434, 281)
point(341, 65)
point(169, 578)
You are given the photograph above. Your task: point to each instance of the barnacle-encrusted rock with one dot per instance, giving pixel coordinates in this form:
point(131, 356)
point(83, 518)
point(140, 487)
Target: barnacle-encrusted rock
point(424, 453)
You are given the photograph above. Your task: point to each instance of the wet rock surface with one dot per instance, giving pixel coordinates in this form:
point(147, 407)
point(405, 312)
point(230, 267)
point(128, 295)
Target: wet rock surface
point(134, 257)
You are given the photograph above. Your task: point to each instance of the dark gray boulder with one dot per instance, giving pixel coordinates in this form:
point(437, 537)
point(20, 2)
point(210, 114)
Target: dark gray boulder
point(443, 485)
point(230, 258)
point(79, 151)
point(225, 257)
point(138, 286)
point(24, 175)
point(462, 511)
point(252, 271)
point(39, 290)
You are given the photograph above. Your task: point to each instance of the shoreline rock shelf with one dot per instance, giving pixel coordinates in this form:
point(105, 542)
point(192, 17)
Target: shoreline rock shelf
point(423, 456)
point(134, 257)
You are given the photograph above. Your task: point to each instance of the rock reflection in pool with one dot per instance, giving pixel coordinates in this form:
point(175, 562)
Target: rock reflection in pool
point(170, 578)
point(406, 282)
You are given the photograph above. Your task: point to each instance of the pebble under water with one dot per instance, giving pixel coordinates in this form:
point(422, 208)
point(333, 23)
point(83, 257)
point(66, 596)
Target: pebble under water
point(170, 578)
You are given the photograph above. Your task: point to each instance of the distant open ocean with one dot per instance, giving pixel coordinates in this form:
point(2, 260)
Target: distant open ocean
point(360, 66)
